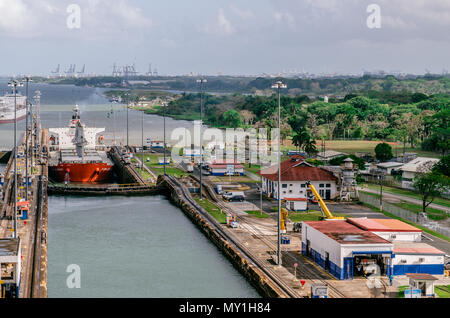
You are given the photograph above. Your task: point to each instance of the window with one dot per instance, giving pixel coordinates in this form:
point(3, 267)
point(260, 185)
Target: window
point(290, 191)
point(303, 185)
point(321, 185)
point(328, 185)
point(290, 185)
point(284, 186)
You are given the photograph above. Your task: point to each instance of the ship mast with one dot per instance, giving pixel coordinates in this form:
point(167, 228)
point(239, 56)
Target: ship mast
point(79, 140)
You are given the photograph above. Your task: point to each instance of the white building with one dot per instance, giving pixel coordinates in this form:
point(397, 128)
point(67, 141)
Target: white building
point(329, 155)
point(411, 169)
point(343, 247)
point(10, 267)
point(390, 229)
point(295, 173)
point(226, 168)
point(387, 167)
point(157, 144)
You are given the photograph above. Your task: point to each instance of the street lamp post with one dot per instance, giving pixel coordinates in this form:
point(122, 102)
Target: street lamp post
point(26, 79)
point(164, 119)
point(380, 178)
point(15, 84)
point(279, 85)
point(128, 106)
point(201, 82)
point(142, 165)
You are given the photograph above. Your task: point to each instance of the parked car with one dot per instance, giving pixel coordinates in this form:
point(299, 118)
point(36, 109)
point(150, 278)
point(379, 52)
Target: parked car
point(227, 195)
point(237, 198)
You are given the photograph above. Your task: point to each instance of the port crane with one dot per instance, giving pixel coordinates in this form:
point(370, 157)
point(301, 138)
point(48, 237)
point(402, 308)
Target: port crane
point(325, 211)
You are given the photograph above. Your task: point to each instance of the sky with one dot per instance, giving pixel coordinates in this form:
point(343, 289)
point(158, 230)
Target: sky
point(234, 37)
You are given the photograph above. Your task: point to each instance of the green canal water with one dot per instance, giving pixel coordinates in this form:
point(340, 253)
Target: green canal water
point(134, 247)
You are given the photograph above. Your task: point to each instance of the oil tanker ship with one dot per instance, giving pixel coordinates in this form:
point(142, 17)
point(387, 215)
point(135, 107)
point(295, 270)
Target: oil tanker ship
point(77, 153)
point(7, 108)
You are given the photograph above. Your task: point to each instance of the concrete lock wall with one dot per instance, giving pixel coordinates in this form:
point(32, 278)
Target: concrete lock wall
point(424, 264)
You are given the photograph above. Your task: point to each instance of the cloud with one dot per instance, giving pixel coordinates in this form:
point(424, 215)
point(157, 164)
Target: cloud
point(15, 16)
point(31, 18)
point(243, 14)
point(220, 27)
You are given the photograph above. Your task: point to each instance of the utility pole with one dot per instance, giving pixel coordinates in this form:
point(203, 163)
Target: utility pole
point(164, 118)
point(201, 82)
point(142, 164)
point(279, 85)
point(26, 79)
point(128, 106)
point(380, 178)
point(15, 84)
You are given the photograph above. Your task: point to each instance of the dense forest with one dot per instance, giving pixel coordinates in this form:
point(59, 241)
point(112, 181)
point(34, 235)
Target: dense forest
point(413, 118)
point(428, 84)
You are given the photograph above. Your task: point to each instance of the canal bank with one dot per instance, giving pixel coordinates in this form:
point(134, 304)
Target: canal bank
point(238, 255)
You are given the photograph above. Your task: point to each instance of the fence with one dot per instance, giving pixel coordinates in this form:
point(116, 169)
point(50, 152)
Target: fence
point(404, 214)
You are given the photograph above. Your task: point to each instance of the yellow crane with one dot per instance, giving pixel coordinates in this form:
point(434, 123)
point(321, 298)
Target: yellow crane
point(327, 213)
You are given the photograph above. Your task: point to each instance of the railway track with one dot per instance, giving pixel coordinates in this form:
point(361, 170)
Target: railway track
point(232, 240)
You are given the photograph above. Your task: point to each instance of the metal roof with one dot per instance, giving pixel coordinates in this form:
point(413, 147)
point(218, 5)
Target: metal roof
point(421, 277)
point(415, 248)
point(383, 225)
point(345, 233)
point(9, 247)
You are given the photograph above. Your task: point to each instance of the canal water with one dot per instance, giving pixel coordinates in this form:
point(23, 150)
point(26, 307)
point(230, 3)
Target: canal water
point(124, 247)
point(138, 247)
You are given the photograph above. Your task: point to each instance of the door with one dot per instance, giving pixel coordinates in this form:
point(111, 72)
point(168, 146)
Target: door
point(328, 195)
point(308, 248)
point(348, 268)
point(327, 261)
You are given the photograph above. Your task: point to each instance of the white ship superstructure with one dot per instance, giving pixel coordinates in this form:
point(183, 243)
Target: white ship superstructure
point(7, 108)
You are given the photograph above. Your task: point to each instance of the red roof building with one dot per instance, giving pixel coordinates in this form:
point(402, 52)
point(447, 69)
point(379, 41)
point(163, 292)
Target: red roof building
point(295, 172)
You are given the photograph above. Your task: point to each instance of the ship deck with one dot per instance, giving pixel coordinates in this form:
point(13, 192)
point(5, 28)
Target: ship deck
point(70, 156)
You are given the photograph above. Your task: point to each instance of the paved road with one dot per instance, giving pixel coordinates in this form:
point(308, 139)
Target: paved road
point(407, 199)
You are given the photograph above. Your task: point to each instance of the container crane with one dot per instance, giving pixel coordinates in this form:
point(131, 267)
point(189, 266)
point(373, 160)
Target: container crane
point(325, 211)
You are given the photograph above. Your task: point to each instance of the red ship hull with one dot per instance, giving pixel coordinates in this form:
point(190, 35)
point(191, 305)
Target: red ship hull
point(79, 172)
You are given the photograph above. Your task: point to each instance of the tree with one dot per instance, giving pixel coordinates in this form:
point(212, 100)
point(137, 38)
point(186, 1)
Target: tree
point(232, 118)
point(429, 186)
point(443, 166)
point(383, 152)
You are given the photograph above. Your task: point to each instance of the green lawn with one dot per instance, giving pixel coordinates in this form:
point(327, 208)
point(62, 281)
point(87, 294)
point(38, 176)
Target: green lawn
point(144, 173)
point(311, 215)
point(258, 214)
point(442, 291)
point(253, 169)
point(432, 213)
point(172, 171)
point(401, 291)
point(407, 193)
point(212, 209)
